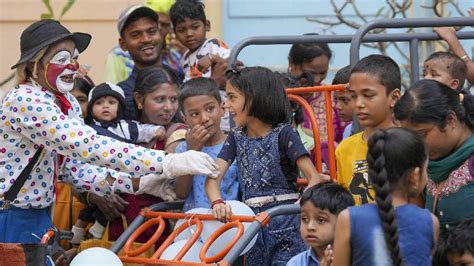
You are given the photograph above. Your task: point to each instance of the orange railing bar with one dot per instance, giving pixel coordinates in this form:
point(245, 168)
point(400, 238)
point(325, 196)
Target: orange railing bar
point(139, 231)
point(205, 217)
point(215, 235)
point(326, 89)
point(47, 236)
point(195, 219)
point(175, 233)
point(151, 261)
point(314, 126)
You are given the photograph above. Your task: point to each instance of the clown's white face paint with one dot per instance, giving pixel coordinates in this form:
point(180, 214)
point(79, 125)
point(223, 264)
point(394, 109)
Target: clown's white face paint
point(61, 70)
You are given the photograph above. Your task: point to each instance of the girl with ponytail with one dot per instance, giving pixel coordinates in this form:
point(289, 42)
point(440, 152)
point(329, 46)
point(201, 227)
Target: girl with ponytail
point(392, 231)
point(445, 119)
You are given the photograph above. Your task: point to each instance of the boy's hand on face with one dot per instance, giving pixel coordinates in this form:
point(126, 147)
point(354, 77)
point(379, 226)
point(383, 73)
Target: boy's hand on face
point(160, 134)
point(196, 137)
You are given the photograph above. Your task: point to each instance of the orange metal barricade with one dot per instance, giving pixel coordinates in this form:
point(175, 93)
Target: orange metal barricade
point(194, 219)
point(326, 89)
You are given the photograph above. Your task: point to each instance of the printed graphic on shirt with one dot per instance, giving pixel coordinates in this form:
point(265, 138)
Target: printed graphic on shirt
point(359, 185)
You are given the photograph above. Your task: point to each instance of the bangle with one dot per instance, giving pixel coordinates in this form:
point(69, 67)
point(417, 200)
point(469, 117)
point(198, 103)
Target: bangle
point(217, 201)
point(464, 57)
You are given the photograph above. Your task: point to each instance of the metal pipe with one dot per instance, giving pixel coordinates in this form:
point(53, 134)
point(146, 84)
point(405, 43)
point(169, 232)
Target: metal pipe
point(414, 61)
point(291, 39)
point(403, 23)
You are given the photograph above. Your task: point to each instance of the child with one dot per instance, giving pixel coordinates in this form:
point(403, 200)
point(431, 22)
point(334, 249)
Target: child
point(320, 206)
point(82, 87)
point(268, 152)
point(446, 68)
point(200, 104)
point(309, 63)
point(190, 27)
point(106, 103)
point(393, 231)
point(444, 119)
point(344, 102)
point(375, 83)
point(105, 108)
point(449, 35)
point(458, 244)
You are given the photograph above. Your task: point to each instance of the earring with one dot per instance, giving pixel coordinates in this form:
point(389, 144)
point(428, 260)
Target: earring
point(139, 106)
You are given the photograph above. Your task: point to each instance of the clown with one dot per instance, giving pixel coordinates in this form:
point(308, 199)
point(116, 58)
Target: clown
point(44, 136)
point(61, 70)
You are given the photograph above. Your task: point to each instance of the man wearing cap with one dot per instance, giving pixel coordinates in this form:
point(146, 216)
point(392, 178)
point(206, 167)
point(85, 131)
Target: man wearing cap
point(140, 36)
point(119, 64)
point(45, 136)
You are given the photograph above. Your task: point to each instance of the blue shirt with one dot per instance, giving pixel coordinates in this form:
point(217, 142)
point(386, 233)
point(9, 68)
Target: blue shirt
point(128, 86)
point(197, 197)
point(306, 258)
point(347, 131)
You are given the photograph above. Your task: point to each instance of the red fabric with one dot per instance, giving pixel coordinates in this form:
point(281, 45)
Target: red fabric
point(159, 145)
point(65, 105)
point(12, 254)
point(136, 204)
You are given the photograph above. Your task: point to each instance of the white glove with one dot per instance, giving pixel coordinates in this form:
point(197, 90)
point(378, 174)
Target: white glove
point(158, 186)
point(189, 163)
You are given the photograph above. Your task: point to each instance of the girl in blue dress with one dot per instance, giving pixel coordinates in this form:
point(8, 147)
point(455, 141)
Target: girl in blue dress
point(268, 152)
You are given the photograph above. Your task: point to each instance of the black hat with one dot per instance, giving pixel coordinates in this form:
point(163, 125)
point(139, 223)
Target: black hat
point(105, 89)
point(45, 32)
point(135, 11)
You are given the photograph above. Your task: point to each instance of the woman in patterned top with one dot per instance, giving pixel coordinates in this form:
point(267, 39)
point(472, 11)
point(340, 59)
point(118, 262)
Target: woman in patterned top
point(445, 119)
point(41, 114)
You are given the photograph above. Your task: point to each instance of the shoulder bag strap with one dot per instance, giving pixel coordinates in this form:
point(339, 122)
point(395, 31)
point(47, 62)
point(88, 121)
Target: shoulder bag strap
point(11, 194)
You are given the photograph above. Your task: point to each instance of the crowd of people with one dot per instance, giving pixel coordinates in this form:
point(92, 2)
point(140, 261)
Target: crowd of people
point(169, 122)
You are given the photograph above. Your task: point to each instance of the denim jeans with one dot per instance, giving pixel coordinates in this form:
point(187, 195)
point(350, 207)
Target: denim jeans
point(278, 242)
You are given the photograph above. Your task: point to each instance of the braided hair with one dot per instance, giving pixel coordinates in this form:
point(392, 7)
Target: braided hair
point(393, 154)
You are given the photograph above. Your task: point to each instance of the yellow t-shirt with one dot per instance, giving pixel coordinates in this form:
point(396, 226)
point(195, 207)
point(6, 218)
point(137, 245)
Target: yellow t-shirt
point(352, 169)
